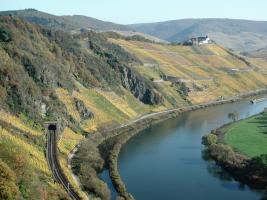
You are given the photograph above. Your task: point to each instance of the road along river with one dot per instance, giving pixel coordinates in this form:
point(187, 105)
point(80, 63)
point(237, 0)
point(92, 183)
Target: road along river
point(166, 161)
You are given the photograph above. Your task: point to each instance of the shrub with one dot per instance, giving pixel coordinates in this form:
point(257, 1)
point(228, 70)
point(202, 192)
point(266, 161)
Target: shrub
point(5, 35)
point(84, 112)
point(234, 116)
point(259, 162)
point(225, 155)
point(209, 139)
point(93, 184)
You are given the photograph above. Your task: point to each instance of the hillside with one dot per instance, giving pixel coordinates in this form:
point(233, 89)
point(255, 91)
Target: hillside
point(239, 35)
point(260, 53)
point(82, 81)
point(66, 23)
point(208, 72)
point(90, 83)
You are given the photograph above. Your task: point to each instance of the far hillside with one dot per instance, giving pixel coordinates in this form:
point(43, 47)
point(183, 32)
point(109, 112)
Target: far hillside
point(75, 23)
point(239, 35)
point(261, 53)
point(66, 23)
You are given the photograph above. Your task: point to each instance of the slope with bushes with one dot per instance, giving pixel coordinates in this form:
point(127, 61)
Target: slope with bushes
point(79, 80)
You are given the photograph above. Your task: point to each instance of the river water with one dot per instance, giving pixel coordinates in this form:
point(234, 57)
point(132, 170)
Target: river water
point(166, 161)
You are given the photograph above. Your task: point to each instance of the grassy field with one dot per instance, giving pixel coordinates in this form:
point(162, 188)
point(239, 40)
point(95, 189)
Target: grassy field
point(249, 136)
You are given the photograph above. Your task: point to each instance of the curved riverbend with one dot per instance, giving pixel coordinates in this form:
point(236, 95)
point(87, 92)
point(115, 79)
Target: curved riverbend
point(166, 161)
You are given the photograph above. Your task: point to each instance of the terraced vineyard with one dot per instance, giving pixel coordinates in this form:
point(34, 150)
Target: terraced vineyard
point(209, 71)
point(26, 158)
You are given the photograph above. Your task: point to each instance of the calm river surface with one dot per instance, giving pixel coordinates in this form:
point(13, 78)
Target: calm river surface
point(166, 160)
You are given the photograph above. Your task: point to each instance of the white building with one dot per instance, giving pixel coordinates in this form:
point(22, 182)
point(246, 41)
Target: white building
point(204, 40)
point(198, 41)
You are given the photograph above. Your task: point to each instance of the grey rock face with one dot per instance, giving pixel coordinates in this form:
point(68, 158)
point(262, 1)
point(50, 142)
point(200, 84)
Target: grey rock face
point(138, 87)
point(84, 112)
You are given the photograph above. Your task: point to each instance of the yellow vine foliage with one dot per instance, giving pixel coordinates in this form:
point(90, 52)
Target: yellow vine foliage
point(69, 139)
point(18, 123)
point(37, 159)
point(68, 101)
point(209, 67)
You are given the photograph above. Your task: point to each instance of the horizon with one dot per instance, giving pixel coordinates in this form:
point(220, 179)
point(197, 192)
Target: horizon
point(149, 12)
point(203, 18)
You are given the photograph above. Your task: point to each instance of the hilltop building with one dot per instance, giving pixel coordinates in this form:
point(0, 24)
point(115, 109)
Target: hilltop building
point(197, 41)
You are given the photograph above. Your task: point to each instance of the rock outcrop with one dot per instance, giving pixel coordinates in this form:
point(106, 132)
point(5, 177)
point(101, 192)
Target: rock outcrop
point(138, 87)
point(84, 112)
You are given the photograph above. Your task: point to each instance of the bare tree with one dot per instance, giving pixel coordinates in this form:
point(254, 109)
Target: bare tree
point(234, 116)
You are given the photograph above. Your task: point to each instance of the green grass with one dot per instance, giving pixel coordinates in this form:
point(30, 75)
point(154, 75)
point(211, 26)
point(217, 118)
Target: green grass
point(249, 136)
point(102, 104)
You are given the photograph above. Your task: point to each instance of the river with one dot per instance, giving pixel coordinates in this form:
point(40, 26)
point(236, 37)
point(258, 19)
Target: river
point(166, 161)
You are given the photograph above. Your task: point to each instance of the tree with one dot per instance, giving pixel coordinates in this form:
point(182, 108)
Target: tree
point(209, 139)
point(5, 35)
point(259, 162)
point(225, 155)
point(183, 89)
point(234, 116)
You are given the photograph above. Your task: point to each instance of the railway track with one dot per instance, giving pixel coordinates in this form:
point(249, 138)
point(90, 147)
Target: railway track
point(51, 152)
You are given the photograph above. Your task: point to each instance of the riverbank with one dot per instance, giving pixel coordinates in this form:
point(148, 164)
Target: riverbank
point(95, 161)
point(248, 136)
point(239, 148)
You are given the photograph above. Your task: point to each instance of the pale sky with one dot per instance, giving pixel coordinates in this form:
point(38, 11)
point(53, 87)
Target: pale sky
point(139, 11)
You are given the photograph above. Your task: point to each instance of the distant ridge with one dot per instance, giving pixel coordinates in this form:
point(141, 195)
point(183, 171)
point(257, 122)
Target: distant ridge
point(235, 34)
point(74, 23)
point(239, 35)
point(66, 23)
point(261, 53)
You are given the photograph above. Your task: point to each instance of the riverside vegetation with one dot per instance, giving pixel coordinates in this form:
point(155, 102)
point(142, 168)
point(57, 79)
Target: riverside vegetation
point(90, 82)
point(240, 147)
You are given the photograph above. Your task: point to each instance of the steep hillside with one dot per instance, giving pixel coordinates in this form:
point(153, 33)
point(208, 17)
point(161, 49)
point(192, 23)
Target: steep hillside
point(208, 72)
point(88, 59)
point(82, 81)
point(66, 23)
point(89, 83)
point(239, 35)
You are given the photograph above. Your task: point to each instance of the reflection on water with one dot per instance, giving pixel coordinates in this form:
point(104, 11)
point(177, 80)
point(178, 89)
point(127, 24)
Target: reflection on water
point(166, 161)
point(216, 171)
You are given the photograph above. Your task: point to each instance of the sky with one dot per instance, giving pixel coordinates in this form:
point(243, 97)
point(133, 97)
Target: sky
point(143, 11)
